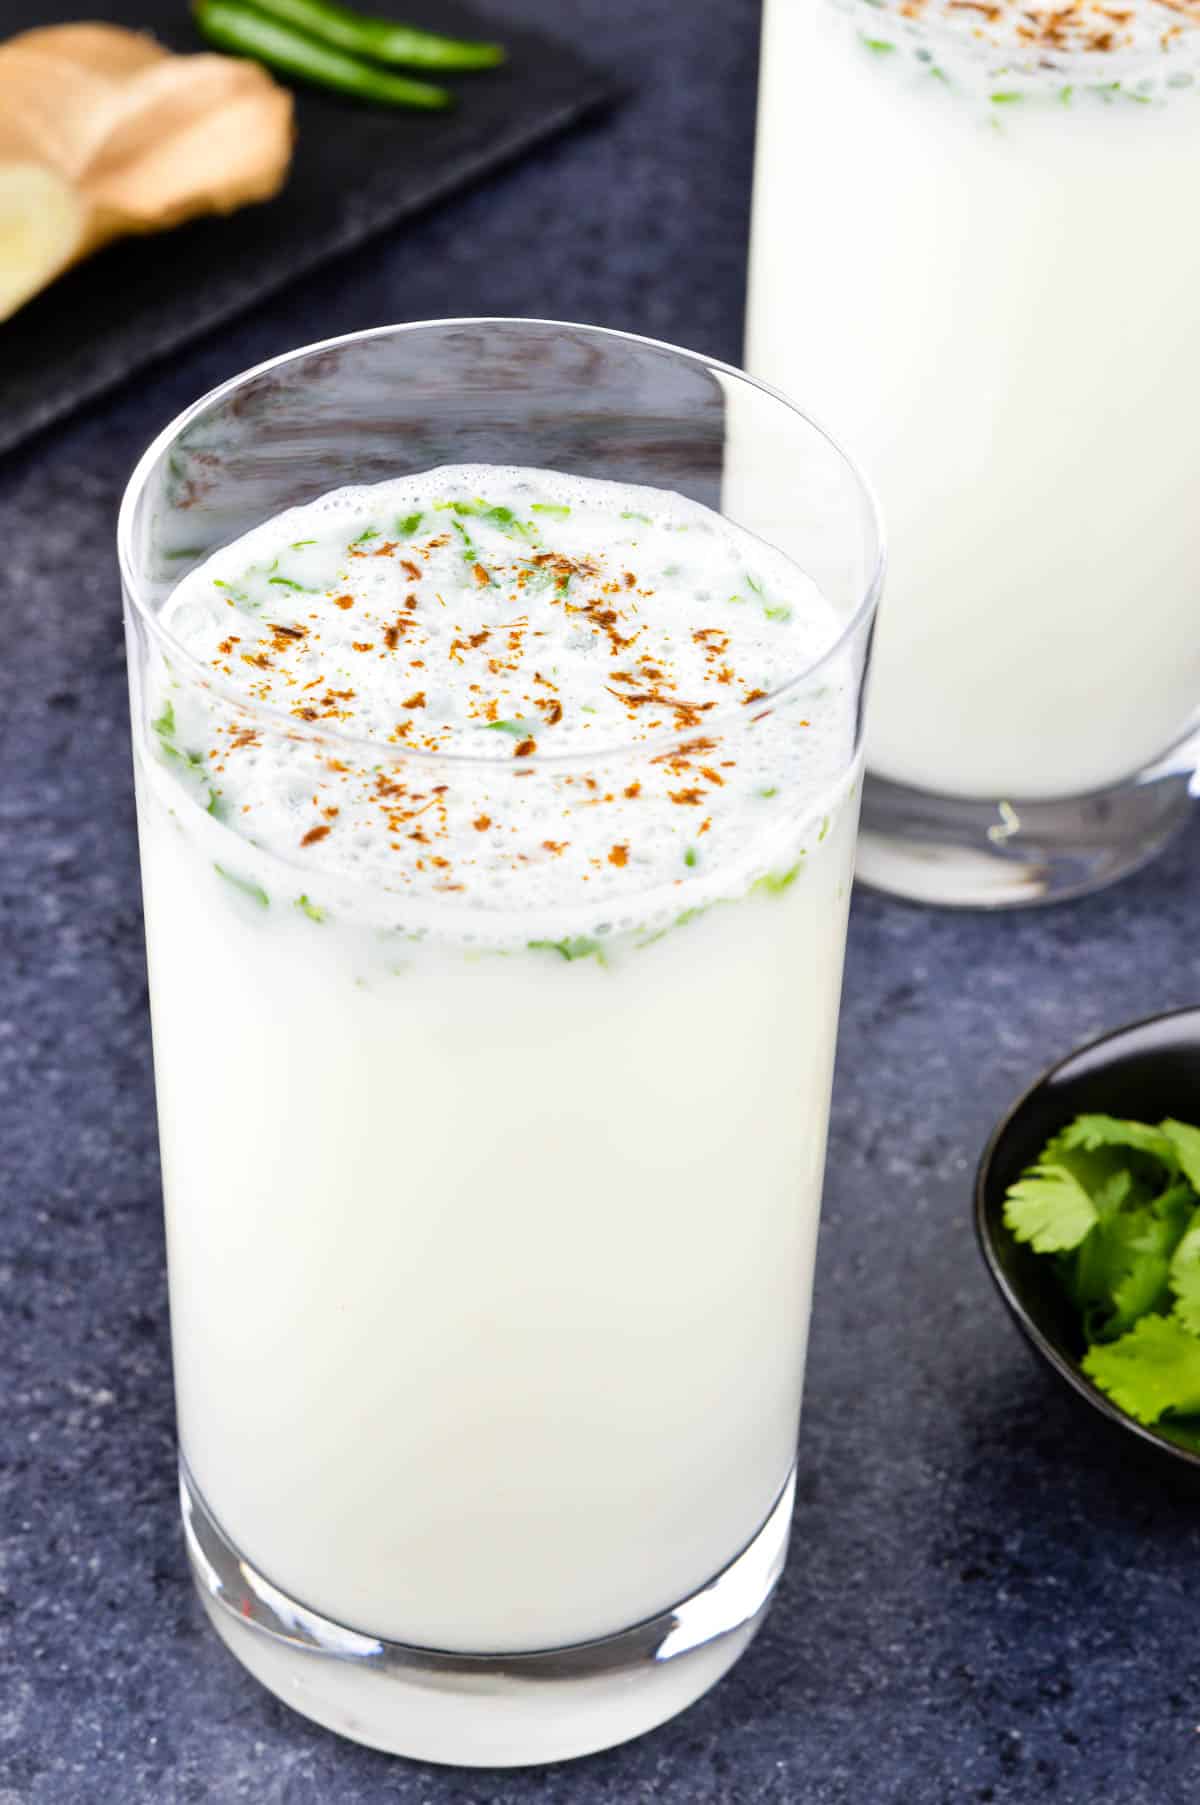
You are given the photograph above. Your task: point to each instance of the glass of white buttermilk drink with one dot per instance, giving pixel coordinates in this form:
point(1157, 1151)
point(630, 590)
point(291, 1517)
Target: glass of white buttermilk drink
point(497, 759)
point(998, 200)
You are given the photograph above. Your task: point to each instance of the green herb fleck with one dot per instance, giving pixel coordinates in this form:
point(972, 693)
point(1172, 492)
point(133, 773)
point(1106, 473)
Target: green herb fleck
point(879, 45)
point(581, 947)
point(309, 908)
point(165, 724)
point(780, 612)
point(246, 885)
point(1005, 97)
point(632, 514)
point(769, 790)
point(287, 583)
point(370, 532)
point(558, 509)
point(774, 883)
point(691, 857)
point(299, 544)
point(408, 526)
point(520, 730)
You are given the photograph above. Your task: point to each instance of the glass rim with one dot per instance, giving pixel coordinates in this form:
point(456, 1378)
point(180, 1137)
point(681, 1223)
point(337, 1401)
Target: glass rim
point(382, 750)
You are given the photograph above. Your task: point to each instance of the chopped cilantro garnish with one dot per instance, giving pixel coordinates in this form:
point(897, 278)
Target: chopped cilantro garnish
point(408, 525)
point(691, 856)
point(520, 730)
point(774, 883)
point(287, 583)
point(769, 790)
point(580, 947)
point(558, 509)
point(879, 45)
point(370, 532)
point(165, 724)
point(632, 514)
point(309, 908)
point(779, 611)
point(469, 552)
point(246, 885)
point(1005, 96)
point(299, 544)
point(1118, 1204)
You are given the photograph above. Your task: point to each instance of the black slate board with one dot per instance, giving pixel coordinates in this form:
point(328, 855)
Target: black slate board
point(357, 170)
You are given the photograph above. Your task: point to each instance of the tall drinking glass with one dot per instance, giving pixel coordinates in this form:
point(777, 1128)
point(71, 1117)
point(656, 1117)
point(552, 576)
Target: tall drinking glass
point(492, 1144)
point(971, 247)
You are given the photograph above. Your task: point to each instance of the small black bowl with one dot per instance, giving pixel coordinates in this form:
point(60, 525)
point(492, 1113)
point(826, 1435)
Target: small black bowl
point(1147, 1071)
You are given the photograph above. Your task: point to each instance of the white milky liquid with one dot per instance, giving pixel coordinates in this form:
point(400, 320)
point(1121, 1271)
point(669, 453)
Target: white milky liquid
point(977, 256)
point(492, 1184)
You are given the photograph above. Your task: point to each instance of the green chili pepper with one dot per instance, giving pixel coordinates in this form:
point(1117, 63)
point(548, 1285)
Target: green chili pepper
point(246, 32)
point(382, 40)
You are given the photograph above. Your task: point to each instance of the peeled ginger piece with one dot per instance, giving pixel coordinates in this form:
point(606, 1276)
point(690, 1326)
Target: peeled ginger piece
point(107, 50)
point(103, 134)
point(43, 224)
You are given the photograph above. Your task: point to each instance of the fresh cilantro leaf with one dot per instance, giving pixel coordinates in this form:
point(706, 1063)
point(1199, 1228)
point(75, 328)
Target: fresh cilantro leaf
point(408, 526)
point(580, 947)
point(369, 532)
point(770, 790)
point(165, 724)
point(246, 885)
point(311, 909)
point(1153, 1369)
point(1186, 1142)
point(1185, 1276)
point(691, 856)
point(1049, 1208)
point(1090, 1132)
point(1142, 1244)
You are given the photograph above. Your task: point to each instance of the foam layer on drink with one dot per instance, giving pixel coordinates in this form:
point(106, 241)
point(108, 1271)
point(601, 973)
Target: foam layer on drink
point(508, 695)
point(1071, 50)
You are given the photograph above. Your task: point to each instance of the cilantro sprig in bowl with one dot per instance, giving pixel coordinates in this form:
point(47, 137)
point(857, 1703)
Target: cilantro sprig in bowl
point(1087, 1208)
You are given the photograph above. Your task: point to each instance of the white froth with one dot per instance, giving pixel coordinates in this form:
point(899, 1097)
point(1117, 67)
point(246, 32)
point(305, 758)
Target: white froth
point(517, 696)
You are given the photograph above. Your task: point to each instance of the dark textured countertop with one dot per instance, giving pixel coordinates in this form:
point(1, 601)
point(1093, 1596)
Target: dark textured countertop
point(985, 1600)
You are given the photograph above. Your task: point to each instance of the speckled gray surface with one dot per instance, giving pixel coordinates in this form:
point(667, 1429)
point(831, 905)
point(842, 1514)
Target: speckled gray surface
point(983, 1603)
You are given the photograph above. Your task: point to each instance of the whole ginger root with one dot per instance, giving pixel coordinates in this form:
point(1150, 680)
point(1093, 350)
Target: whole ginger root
point(103, 133)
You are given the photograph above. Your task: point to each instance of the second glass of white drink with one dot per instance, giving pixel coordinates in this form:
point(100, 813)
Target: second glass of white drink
point(1003, 325)
point(497, 749)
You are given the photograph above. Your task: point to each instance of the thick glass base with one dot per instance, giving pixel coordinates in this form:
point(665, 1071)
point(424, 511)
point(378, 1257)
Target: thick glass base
point(1011, 854)
point(484, 1710)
